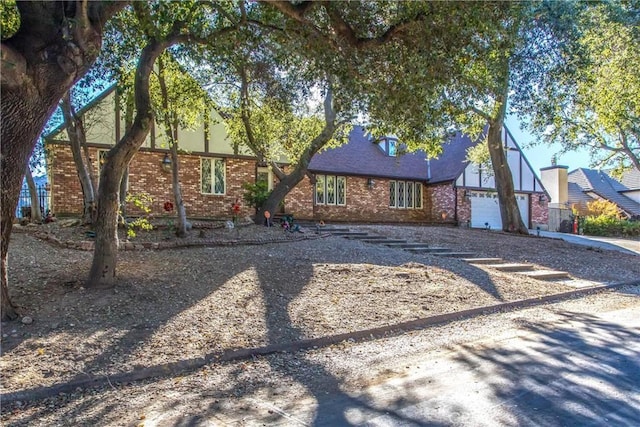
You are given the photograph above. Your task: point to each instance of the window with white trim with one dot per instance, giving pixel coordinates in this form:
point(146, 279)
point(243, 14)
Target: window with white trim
point(212, 176)
point(331, 190)
point(405, 195)
point(264, 174)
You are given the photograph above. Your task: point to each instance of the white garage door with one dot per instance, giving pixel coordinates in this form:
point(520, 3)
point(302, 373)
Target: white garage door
point(485, 209)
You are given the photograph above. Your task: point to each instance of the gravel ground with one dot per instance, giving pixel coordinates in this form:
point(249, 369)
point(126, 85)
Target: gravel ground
point(180, 304)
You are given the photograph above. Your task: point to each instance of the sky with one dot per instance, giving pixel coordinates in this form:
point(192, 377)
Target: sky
point(539, 156)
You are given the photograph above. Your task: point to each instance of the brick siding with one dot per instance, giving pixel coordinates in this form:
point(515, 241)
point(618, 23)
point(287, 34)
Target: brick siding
point(363, 204)
point(147, 176)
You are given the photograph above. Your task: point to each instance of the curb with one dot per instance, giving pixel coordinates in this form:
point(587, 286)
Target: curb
point(87, 245)
point(189, 365)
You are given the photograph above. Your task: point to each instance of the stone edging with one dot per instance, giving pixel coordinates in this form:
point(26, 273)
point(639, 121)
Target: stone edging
point(87, 245)
point(183, 366)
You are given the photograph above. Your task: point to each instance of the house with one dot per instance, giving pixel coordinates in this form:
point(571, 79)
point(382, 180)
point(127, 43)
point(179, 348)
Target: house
point(370, 180)
point(363, 180)
point(212, 171)
point(581, 186)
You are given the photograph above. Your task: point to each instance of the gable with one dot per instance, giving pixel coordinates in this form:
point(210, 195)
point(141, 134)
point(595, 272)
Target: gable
point(105, 124)
point(524, 177)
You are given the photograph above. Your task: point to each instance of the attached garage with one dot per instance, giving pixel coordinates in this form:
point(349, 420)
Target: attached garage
point(486, 210)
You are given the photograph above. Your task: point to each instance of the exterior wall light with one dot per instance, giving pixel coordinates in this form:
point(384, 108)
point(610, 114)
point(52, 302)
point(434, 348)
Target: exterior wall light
point(166, 163)
point(370, 183)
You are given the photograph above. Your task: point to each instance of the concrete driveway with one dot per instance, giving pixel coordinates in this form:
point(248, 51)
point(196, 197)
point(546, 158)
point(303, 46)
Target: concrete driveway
point(609, 243)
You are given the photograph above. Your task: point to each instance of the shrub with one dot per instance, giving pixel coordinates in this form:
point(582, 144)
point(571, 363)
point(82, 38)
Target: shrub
point(603, 225)
point(256, 194)
point(598, 208)
point(143, 202)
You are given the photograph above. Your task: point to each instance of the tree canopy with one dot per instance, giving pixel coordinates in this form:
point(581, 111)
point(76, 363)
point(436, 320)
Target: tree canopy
point(590, 99)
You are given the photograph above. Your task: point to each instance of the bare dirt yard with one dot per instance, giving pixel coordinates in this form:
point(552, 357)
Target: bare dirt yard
point(249, 288)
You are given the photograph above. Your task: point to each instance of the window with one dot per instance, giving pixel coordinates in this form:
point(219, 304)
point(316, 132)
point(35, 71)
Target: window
point(212, 176)
point(401, 198)
point(392, 194)
point(102, 155)
point(320, 190)
point(418, 195)
point(341, 184)
point(331, 190)
point(391, 147)
point(405, 195)
point(265, 175)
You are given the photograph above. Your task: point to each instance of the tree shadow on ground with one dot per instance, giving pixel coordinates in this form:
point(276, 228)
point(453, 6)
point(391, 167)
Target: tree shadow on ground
point(332, 403)
point(579, 370)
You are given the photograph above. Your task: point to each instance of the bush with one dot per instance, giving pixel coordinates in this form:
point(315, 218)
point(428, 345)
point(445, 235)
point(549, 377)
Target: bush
point(143, 202)
point(598, 208)
point(604, 225)
point(256, 194)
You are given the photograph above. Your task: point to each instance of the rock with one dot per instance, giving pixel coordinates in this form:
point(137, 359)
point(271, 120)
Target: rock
point(27, 320)
point(188, 225)
point(69, 222)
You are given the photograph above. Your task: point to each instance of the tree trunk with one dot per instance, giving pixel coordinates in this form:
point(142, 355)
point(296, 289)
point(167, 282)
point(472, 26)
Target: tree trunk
point(78, 143)
point(36, 209)
point(171, 126)
point(181, 226)
point(103, 266)
point(280, 191)
point(511, 218)
point(287, 182)
point(54, 47)
point(122, 195)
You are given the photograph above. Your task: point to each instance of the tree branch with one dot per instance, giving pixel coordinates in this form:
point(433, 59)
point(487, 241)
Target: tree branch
point(294, 11)
point(342, 27)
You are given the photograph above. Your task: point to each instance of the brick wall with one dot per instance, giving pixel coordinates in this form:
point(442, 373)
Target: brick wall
point(464, 208)
point(539, 211)
point(362, 204)
point(147, 176)
point(441, 203)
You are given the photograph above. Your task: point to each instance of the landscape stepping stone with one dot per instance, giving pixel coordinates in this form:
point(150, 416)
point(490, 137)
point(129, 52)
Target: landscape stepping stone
point(348, 233)
point(368, 237)
point(406, 245)
point(484, 260)
point(515, 267)
point(428, 250)
point(385, 241)
point(454, 254)
point(546, 274)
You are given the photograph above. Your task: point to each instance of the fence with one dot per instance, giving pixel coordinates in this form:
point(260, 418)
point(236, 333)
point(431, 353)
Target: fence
point(24, 203)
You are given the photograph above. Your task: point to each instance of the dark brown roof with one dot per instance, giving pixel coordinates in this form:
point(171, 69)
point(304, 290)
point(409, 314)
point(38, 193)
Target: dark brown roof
point(362, 156)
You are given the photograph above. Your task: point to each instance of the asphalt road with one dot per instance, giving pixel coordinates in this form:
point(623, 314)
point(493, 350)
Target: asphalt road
point(580, 370)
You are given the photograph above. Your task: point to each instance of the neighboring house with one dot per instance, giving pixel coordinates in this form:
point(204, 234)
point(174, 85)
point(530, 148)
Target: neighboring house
point(363, 180)
point(581, 186)
point(369, 180)
point(586, 185)
point(631, 180)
